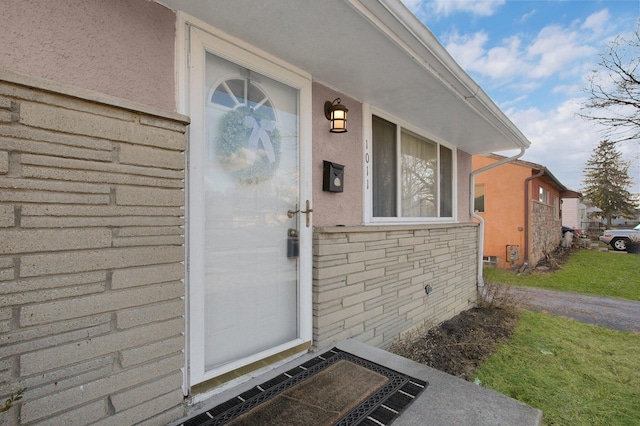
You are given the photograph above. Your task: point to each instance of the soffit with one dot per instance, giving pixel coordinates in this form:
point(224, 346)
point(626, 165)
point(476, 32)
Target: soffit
point(375, 51)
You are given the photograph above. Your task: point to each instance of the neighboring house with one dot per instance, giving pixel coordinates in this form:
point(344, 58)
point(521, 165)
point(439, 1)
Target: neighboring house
point(520, 205)
point(573, 212)
point(163, 225)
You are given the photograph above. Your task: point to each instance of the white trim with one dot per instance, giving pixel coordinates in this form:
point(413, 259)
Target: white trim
point(182, 90)
point(368, 112)
point(190, 65)
point(367, 130)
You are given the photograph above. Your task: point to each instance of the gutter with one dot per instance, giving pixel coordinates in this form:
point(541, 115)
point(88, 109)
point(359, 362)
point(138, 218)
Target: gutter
point(526, 212)
point(472, 191)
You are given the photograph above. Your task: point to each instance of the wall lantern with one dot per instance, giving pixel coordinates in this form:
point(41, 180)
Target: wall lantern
point(337, 114)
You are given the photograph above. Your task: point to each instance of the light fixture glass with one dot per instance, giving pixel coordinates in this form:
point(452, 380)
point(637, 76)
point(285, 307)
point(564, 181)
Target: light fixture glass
point(337, 114)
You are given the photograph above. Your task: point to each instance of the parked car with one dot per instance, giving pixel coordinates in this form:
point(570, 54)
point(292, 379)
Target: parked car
point(618, 238)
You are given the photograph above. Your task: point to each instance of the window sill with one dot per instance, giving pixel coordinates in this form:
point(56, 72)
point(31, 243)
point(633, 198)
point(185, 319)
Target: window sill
point(392, 227)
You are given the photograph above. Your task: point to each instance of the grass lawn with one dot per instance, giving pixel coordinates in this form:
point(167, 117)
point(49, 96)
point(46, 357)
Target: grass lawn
point(587, 271)
point(577, 374)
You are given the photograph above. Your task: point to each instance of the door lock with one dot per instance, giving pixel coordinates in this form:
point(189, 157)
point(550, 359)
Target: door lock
point(293, 243)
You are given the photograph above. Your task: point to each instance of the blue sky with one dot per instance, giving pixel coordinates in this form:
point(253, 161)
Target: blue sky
point(533, 58)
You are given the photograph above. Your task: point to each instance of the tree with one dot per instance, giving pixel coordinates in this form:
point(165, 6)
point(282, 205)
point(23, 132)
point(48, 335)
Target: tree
point(614, 89)
point(606, 179)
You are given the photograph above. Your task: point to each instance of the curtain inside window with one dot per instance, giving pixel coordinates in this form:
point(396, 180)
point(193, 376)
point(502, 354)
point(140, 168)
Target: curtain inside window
point(383, 149)
point(419, 176)
point(446, 182)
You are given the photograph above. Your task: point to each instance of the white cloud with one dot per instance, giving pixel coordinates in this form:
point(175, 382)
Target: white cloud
point(514, 63)
point(557, 50)
point(526, 16)
point(568, 89)
point(500, 62)
point(560, 140)
point(597, 22)
point(480, 8)
point(445, 8)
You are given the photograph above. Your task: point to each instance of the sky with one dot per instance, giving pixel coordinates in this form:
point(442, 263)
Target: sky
point(533, 57)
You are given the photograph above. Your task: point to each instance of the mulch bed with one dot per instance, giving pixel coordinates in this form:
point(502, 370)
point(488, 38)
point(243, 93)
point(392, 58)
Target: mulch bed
point(459, 345)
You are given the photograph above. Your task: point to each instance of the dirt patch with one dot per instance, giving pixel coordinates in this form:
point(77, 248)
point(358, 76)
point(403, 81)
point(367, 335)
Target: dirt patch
point(458, 346)
point(554, 260)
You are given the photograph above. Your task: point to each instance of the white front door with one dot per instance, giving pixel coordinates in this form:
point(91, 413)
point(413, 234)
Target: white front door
point(249, 243)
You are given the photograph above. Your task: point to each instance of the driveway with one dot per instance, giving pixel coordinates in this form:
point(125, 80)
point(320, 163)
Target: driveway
point(617, 314)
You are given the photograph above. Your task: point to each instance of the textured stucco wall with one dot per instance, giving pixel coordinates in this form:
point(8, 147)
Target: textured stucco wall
point(123, 48)
point(504, 207)
point(339, 208)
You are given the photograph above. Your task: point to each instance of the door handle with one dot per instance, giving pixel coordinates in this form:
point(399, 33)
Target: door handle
point(307, 213)
point(309, 210)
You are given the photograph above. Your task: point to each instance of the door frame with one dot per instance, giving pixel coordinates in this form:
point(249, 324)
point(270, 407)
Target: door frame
point(193, 38)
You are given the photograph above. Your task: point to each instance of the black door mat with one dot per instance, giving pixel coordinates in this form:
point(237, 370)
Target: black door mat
point(334, 388)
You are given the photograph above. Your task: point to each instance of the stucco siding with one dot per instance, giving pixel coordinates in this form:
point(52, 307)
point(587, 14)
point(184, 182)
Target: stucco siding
point(121, 48)
point(337, 208)
point(91, 256)
point(504, 208)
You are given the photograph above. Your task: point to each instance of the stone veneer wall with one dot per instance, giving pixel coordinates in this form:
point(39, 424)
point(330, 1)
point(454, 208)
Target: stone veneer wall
point(545, 231)
point(91, 256)
point(369, 282)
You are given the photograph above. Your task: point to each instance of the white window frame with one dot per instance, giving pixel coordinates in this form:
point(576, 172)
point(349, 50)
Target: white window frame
point(368, 112)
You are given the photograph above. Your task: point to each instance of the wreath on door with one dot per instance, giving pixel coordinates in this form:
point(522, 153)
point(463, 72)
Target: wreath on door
point(248, 145)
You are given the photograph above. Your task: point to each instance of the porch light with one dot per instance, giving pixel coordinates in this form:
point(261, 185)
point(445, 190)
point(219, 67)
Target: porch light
point(337, 114)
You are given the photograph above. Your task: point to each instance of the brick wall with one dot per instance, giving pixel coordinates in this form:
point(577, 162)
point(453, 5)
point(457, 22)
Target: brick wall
point(91, 256)
point(369, 282)
point(545, 231)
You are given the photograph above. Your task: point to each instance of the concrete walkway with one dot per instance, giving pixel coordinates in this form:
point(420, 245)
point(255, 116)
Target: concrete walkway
point(618, 314)
point(447, 400)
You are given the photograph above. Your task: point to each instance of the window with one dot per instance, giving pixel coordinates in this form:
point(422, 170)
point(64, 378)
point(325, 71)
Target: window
point(478, 205)
point(412, 176)
point(543, 196)
point(556, 207)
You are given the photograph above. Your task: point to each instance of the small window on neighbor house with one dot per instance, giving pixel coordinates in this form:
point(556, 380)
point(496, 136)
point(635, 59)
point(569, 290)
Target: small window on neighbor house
point(478, 205)
point(543, 195)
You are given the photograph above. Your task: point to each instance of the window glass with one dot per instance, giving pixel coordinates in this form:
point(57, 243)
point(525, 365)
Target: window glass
point(543, 195)
point(419, 176)
point(384, 168)
point(446, 181)
point(479, 198)
point(412, 176)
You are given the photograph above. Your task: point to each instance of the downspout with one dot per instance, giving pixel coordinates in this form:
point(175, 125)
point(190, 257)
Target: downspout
point(472, 195)
point(526, 213)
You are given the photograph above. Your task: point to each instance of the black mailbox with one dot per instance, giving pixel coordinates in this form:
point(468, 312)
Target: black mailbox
point(333, 177)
